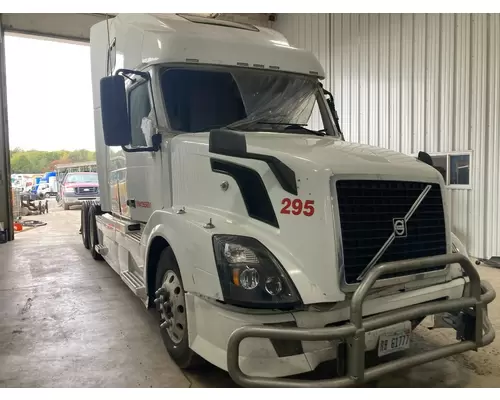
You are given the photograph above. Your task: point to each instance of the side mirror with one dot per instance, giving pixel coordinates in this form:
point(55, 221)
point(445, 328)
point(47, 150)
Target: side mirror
point(115, 120)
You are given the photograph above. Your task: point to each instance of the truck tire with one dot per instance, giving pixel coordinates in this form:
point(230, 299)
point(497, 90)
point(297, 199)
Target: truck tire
point(93, 237)
point(84, 225)
point(171, 305)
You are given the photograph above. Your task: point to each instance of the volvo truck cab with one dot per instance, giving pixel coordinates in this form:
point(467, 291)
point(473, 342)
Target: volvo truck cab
point(267, 244)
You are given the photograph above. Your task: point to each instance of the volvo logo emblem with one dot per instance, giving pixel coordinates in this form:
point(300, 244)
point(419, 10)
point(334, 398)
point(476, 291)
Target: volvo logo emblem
point(399, 225)
point(399, 230)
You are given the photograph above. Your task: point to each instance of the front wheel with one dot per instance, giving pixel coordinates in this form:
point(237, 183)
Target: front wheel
point(171, 305)
point(47, 195)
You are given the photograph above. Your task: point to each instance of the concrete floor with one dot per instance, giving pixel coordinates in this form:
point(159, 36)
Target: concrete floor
point(68, 321)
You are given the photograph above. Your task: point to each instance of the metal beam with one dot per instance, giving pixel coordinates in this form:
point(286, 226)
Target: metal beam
point(67, 27)
point(5, 187)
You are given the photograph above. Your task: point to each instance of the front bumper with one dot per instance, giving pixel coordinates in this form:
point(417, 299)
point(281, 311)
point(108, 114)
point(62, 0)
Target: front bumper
point(474, 329)
point(78, 200)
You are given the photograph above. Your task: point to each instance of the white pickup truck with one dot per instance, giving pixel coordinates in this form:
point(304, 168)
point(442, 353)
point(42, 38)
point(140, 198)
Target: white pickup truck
point(266, 246)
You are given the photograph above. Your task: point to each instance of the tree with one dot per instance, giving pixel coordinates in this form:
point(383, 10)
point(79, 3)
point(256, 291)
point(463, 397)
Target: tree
point(20, 164)
point(35, 161)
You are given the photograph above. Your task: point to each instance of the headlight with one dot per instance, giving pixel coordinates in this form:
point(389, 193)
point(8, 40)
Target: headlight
point(251, 276)
point(69, 190)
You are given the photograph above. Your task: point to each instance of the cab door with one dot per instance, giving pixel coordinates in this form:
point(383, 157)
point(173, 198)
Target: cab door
point(140, 186)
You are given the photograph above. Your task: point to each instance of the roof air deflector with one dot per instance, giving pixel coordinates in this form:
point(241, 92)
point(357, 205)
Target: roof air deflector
point(219, 22)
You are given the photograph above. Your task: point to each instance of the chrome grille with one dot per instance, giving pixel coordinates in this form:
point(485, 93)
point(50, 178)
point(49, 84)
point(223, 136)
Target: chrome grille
point(90, 191)
point(368, 210)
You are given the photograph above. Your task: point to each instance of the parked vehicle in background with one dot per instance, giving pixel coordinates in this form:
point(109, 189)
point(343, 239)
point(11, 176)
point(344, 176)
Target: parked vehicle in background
point(47, 185)
point(44, 191)
point(63, 169)
point(28, 186)
point(77, 187)
point(34, 190)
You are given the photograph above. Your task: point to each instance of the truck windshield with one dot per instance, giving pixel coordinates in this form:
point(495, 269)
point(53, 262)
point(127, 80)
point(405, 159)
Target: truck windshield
point(199, 99)
point(82, 178)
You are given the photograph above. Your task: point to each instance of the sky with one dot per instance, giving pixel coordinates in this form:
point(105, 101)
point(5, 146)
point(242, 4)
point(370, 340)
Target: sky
point(49, 94)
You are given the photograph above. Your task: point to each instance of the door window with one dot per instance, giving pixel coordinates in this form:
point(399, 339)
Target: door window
point(139, 107)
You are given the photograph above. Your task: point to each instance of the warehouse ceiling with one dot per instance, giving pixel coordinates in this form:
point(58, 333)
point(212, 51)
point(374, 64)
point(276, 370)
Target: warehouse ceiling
point(76, 27)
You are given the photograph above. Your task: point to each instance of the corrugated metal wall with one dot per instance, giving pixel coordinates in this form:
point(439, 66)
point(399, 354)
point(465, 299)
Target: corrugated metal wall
point(413, 82)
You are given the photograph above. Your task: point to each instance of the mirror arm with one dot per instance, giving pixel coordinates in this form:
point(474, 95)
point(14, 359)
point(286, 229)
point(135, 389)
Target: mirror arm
point(156, 139)
point(126, 72)
point(335, 115)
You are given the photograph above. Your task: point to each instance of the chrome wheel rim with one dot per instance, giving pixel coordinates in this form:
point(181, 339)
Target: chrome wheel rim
point(172, 305)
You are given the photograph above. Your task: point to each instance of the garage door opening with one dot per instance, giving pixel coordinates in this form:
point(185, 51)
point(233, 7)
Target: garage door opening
point(52, 148)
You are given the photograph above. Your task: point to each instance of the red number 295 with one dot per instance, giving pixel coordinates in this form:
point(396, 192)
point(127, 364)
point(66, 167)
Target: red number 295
point(298, 207)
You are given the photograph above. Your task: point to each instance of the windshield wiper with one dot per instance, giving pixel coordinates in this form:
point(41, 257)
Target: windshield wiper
point(242, 124)
point(287, 127)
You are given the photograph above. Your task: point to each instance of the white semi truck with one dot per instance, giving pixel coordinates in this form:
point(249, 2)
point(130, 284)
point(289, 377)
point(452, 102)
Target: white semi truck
point(266, 246)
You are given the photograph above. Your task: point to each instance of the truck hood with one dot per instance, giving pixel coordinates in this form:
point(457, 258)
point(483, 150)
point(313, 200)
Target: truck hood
point(307, 244)
point(328, 153)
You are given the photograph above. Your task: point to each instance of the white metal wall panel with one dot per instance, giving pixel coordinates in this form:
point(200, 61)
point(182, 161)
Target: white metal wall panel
point(418, 82)
point(460, 200)
point(384, 80)
point(478, 131)
point(374, 81)
point(446, 82)
point(407, 83)
point(413, 82)
point(395, 85)
point(492, 145)
point(364, 79)
point(433, 62)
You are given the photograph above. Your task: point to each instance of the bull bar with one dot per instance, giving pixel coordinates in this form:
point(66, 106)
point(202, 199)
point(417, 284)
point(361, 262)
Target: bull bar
point(474, 304)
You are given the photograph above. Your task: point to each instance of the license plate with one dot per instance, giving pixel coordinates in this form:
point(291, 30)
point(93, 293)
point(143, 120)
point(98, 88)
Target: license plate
point(86, 190)
point(389, 344)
